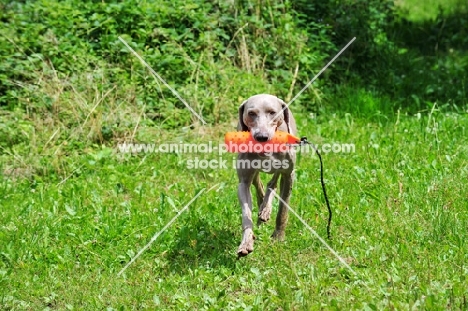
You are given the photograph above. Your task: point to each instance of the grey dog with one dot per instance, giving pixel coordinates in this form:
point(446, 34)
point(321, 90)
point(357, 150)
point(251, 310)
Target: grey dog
point(263, 115)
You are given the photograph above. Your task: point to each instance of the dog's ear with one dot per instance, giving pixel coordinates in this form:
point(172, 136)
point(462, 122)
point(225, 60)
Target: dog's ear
point(241, 126)
point(286, 115)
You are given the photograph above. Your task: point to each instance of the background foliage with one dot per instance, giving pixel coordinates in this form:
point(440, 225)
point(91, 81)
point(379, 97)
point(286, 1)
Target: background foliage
point(217, 52)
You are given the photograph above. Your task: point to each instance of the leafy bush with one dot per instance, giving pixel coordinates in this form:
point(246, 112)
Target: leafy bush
point(368, 21)
point(216, 54)
point(179, 39)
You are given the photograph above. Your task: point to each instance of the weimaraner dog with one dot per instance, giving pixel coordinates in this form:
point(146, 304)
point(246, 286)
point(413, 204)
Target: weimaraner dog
point(263, 115)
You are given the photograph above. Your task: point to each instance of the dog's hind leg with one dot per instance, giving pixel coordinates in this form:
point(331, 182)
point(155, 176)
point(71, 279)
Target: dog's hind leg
point(260, 191)
point(264, 211)
point(286, 184)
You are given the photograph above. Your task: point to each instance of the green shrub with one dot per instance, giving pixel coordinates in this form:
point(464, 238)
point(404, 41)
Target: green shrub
point(179, 39)
point(216, 54)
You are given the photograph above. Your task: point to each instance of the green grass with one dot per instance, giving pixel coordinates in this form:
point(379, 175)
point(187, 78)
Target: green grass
point(400, 222)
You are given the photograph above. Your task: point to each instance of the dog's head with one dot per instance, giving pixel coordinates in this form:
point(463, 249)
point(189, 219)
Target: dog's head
point(262, 115)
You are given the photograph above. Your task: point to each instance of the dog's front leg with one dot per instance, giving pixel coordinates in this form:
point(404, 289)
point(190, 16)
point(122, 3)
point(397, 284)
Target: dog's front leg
point(245, 200)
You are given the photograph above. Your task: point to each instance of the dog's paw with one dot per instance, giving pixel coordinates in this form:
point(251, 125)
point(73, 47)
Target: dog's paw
point(246, 246)
point(264, 214)
point(278, 235)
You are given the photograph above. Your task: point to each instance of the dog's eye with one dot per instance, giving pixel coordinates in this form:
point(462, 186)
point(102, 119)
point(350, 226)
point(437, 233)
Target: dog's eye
point(252, 114)
point(272, 113)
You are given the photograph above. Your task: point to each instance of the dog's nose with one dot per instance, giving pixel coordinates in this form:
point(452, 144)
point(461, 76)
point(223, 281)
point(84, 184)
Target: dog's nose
point(261, 138)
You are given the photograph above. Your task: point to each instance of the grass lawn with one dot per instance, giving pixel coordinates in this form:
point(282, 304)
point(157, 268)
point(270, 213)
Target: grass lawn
point(400, 221)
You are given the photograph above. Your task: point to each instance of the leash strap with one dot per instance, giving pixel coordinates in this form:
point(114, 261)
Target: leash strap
point(304, 141)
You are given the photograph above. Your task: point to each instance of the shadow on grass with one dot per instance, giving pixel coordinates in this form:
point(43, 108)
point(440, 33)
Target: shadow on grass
point(431, 62)
point(427, 64)
point(203, 243)
point(396, 63)
point(431, 37)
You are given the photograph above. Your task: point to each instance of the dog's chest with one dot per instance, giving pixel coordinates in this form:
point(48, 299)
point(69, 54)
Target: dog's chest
point(272, 163)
